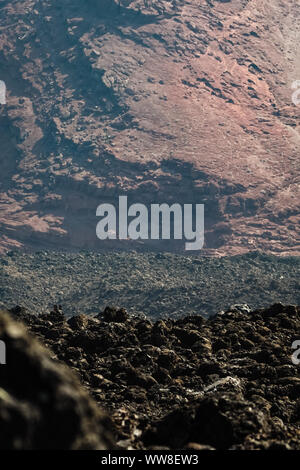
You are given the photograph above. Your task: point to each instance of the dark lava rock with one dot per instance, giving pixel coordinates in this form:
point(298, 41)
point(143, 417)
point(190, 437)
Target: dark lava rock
point(171, 431)
point(42, 404)
point(112, 314)
point(222, 421)
point(228, 382)
point(187, 337)
point(79, 322)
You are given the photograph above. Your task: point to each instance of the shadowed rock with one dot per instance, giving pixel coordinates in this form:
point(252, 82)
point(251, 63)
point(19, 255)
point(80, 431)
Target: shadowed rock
point(42, 404)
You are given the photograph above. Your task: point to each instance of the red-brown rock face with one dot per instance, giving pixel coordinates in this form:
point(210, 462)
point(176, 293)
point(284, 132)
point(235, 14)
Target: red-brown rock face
point(165, 101)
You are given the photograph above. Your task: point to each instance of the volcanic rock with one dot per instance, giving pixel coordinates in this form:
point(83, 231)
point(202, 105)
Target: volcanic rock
point(165, 101)
point(42, 404)
point(241, 392)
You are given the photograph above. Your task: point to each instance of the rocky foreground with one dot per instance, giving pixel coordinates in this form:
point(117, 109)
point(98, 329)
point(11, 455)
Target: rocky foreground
point(224, 383)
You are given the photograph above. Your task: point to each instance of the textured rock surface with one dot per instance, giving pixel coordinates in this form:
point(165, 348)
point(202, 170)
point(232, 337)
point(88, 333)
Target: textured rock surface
point(158, 285)
point(42, 404)
point(186, 101)
point(224, 383)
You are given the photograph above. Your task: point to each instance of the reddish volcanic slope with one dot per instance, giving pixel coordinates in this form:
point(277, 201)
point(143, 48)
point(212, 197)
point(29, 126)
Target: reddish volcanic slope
point(167, 101)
